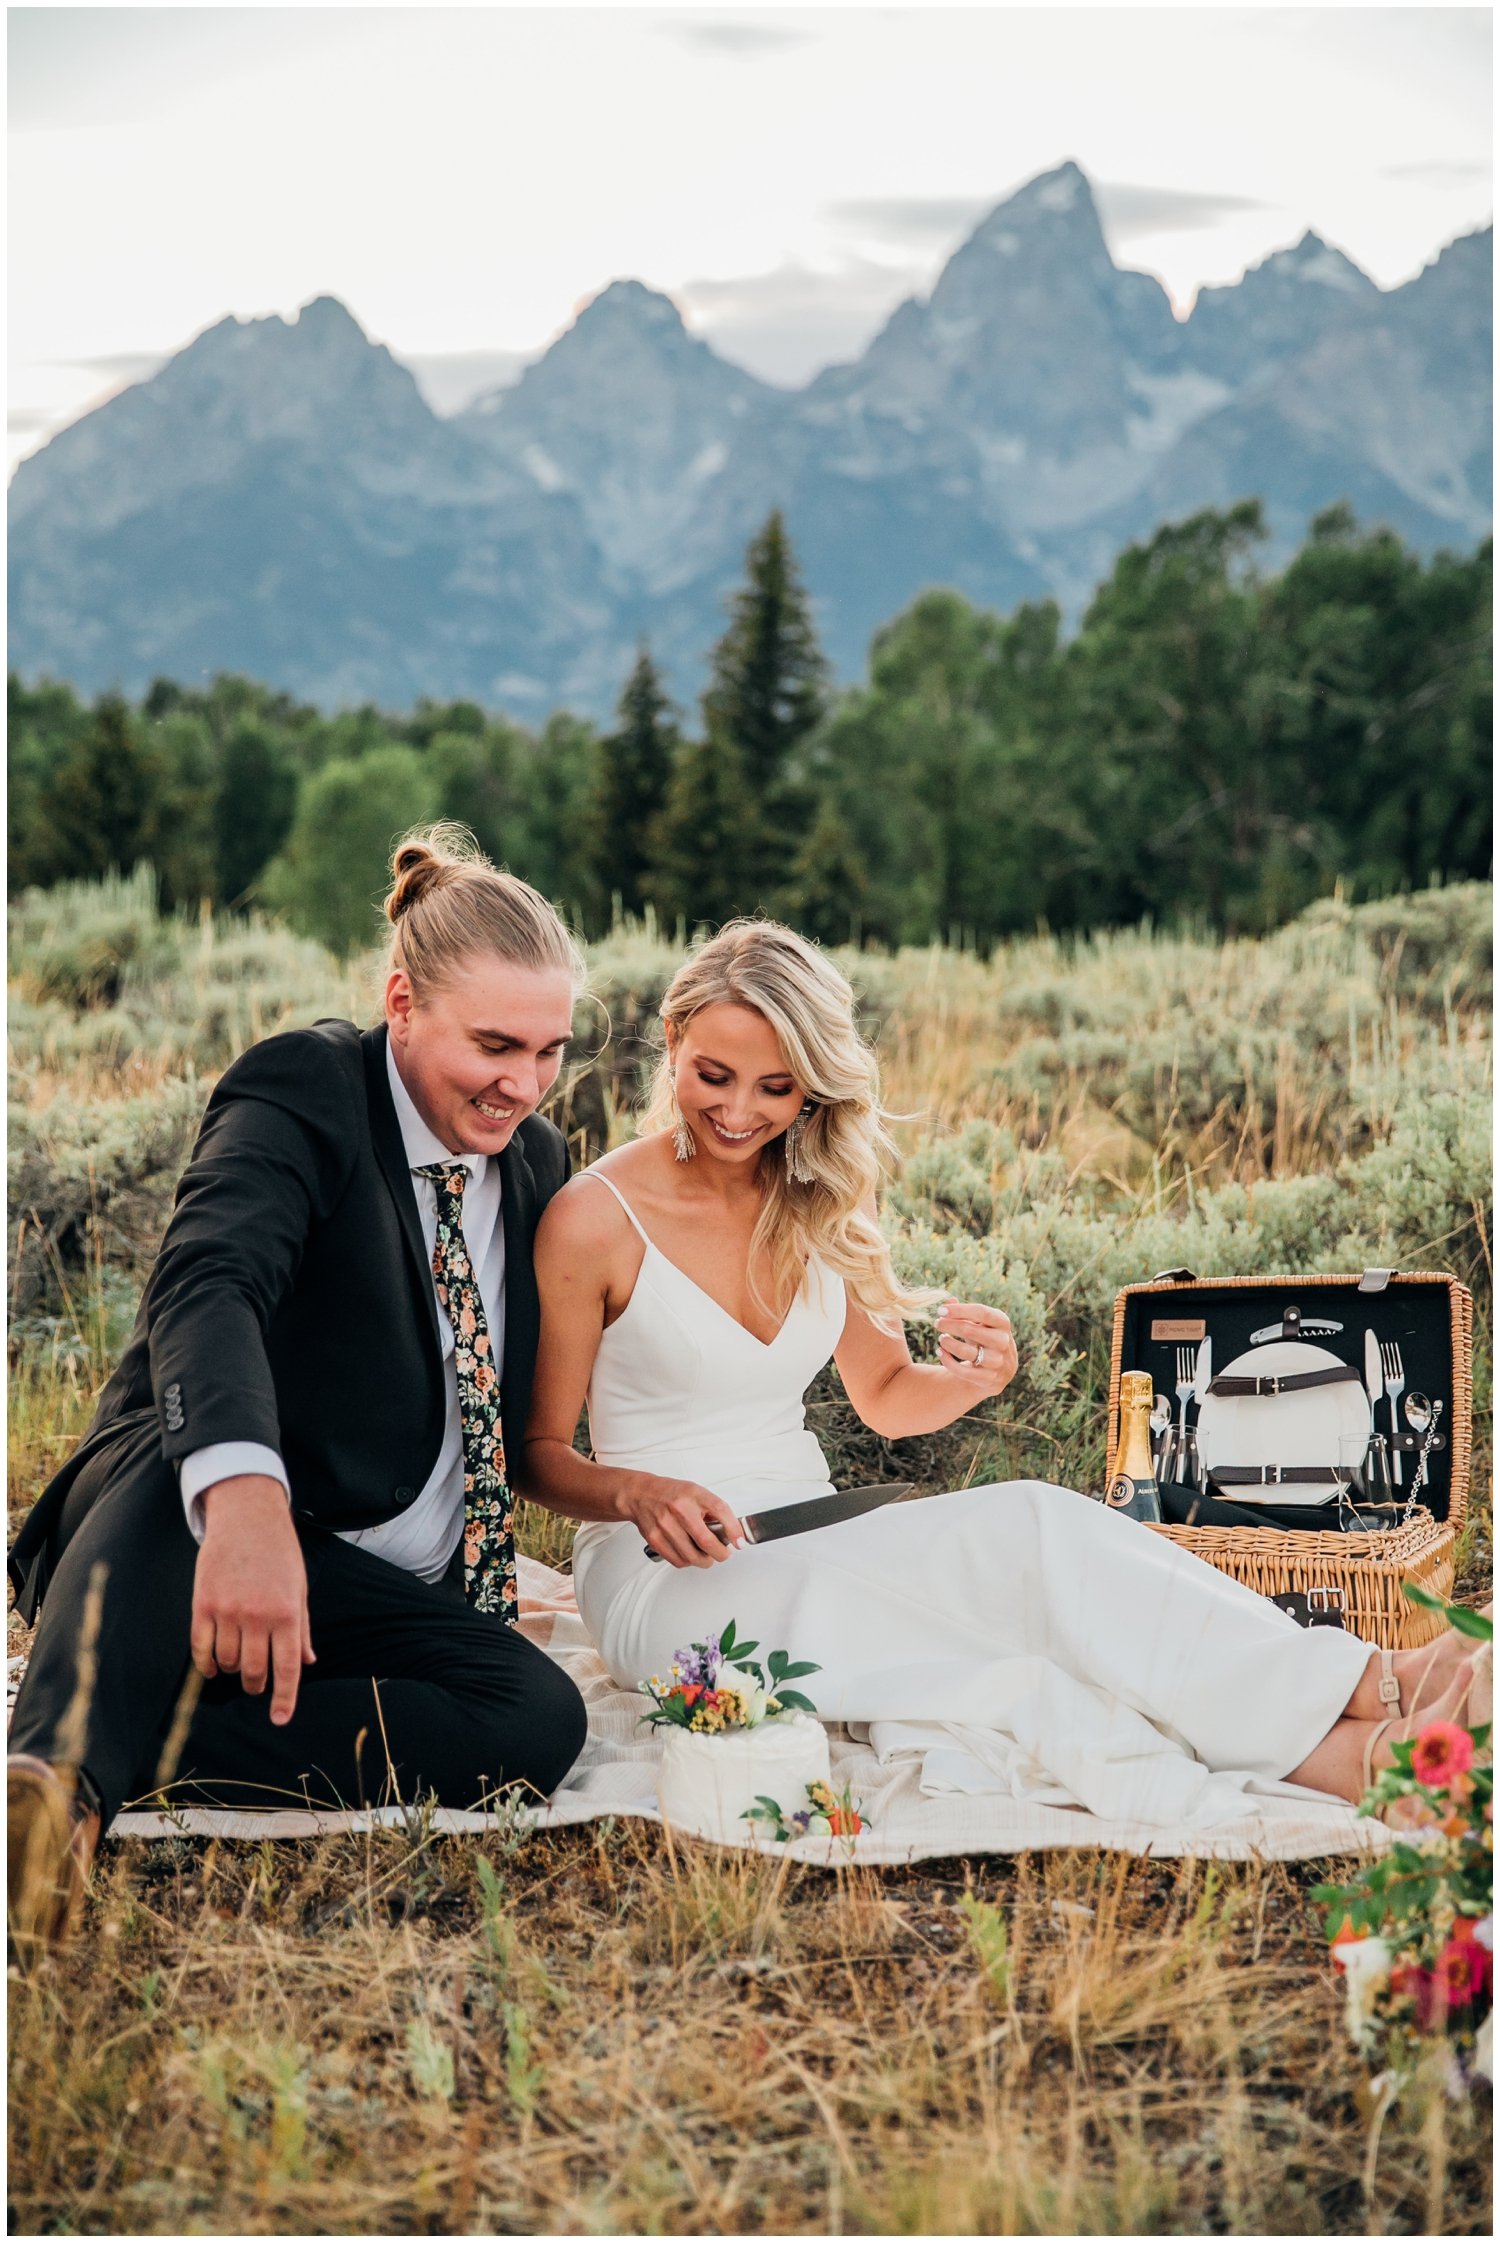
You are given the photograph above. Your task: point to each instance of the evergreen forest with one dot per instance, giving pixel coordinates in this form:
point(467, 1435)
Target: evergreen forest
point(1215, 745)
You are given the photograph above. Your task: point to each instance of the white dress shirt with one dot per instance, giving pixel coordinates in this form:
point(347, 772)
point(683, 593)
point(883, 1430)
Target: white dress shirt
point(425, 1537)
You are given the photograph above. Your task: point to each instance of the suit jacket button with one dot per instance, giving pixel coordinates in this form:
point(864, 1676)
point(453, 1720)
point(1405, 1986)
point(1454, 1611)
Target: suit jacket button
point(404, 1496)
point(173, 1395)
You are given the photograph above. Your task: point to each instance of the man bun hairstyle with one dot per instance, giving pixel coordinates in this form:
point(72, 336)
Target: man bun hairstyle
point(448, 903)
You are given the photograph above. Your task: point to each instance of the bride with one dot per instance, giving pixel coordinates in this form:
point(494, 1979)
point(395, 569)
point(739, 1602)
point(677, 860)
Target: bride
point(1018, 1637)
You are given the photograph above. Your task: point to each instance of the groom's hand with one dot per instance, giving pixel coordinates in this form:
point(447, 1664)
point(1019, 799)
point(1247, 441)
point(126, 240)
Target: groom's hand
point(250, 1591)
point(685, 1524)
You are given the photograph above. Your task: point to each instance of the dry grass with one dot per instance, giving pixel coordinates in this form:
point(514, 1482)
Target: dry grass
point(592, 2032)
point(583, 2034)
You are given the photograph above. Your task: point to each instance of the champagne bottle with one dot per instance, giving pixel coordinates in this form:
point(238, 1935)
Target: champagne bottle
point(1132, 1481)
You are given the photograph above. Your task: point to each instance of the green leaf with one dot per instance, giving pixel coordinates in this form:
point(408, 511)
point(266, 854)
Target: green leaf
point(796, 1699)
point(1457, 1616)
point(796, 1667)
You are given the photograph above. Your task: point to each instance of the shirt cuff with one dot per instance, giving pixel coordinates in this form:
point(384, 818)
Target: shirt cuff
point(224, 1460)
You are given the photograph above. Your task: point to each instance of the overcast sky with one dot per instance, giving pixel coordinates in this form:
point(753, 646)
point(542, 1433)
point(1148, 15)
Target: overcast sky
point(465, 179)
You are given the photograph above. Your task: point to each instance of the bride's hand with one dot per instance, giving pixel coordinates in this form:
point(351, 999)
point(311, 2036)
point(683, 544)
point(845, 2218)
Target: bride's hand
point(978, 1345)
point(673, 1517)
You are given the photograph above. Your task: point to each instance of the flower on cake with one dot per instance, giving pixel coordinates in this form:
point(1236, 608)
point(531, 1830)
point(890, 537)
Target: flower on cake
point(717, 1685)
point(828, 1814)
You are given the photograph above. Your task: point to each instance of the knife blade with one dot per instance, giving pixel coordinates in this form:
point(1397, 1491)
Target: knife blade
point(1203, 1371)
point(1374, 1380)
point(823, 1510)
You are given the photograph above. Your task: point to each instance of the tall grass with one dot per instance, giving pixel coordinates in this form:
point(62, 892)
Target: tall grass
point(591, 2034)
point(601, 2031)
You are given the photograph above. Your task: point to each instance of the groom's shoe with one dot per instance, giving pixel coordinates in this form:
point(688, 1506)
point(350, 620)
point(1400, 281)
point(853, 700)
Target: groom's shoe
point(51, 1833)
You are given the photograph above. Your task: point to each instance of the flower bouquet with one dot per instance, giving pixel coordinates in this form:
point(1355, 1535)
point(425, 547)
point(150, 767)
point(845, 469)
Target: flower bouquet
point(1413, 1933)
point(717, 1685)
point(732, 1732)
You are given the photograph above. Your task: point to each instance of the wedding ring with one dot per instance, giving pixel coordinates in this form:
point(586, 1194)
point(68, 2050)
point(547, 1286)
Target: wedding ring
point(978, 1358)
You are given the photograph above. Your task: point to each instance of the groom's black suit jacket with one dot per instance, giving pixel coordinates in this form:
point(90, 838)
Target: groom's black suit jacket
point(292, 1300)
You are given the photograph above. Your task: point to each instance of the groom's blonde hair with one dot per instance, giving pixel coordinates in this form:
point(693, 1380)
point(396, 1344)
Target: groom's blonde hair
point(448, 903)
point(844, 1142)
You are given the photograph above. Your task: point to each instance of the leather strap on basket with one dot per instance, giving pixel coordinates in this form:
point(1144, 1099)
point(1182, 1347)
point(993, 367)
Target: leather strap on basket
point(1294, 1383)
point(1276, 1475)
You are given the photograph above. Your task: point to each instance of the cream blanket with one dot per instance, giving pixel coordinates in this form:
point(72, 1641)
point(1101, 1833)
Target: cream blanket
point(616, 1775)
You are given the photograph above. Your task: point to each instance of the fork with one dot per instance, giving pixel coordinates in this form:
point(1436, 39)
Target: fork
point(1394, 1375)
point(1187, 1372)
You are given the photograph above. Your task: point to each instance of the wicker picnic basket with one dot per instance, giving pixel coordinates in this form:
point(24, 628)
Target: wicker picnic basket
point(1347, 1580)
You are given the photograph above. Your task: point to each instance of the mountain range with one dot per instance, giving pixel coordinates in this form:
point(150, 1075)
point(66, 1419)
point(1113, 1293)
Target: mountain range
point(279, 499)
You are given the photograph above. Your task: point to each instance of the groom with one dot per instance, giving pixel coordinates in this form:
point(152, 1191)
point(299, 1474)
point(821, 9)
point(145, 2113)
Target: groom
point(296, 1476)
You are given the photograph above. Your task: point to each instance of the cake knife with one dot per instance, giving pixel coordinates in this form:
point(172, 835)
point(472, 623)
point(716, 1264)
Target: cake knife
point(823, 1510)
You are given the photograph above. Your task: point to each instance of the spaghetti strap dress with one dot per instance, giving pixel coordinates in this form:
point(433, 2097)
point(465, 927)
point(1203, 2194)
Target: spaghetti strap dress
point(1016, 1638)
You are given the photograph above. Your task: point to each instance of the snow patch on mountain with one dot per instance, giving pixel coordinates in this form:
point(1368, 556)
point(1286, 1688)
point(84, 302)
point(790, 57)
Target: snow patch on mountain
point(1060, 192)
point(1172, 403)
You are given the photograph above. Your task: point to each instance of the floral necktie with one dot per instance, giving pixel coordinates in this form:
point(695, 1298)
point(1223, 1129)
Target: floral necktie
point(489, 1546)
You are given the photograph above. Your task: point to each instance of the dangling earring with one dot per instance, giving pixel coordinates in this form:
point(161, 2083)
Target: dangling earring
point(684, 1144)
point(798, 1167)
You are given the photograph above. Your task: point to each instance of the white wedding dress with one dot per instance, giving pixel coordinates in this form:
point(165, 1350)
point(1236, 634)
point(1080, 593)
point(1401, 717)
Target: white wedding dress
point(1018, 1637)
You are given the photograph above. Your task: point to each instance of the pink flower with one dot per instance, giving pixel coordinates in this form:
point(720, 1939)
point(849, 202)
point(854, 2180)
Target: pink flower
point(1441, 1752)
point(1462, 1967)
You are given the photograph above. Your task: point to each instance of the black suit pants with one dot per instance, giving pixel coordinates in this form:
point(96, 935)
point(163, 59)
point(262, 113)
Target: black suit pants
point(412, 1690)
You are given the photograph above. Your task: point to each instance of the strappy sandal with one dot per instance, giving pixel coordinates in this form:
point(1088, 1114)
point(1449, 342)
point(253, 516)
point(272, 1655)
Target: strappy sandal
point(1474, 1710)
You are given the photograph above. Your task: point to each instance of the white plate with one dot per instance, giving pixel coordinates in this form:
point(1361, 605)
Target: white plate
point(1304, 1428)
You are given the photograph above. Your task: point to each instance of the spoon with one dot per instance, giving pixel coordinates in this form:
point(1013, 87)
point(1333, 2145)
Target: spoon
point(1422, 1415)
point(1161, 1420)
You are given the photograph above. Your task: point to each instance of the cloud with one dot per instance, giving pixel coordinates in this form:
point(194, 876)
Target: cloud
point(723, 35)
point(927, 220)
point(1128, 210)
point(787, 324)
point(925, 223)
point(124, 366)
point(1437, 174)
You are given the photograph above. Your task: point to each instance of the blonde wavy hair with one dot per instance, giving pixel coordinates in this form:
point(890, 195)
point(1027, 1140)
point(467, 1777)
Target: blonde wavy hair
point(448, 901)
point(845, 1143)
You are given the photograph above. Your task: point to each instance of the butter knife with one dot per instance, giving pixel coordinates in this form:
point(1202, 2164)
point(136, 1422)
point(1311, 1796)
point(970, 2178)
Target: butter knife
point(1374, 1380)
point(823, 1510)
point(1203, 1371)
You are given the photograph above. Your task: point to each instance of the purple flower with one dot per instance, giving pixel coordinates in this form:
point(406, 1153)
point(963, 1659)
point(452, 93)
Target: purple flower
point(699, 1663)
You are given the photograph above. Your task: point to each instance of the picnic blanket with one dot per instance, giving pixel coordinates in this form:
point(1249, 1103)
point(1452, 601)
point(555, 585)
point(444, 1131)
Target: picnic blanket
point(616, 1775)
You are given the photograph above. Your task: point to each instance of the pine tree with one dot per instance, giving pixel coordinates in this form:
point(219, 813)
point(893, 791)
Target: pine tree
point(635, 772)
point(100, 805)
point(256, 804)
point(829, 885)
point(699, 844)
point(767, 694)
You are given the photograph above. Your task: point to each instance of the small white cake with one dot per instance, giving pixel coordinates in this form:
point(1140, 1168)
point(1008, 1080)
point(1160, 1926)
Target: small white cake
point(705, 1783)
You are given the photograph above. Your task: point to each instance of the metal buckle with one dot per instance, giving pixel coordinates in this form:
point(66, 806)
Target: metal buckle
point(1273, 1479)
point(1325, 1600)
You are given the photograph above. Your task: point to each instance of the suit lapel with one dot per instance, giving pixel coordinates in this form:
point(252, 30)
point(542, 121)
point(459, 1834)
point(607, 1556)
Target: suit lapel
point(522, 1308)
point(390, 1152)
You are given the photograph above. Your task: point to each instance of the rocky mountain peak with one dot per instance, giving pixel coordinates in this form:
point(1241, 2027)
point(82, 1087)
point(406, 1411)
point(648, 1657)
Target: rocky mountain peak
point(1318, 264)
